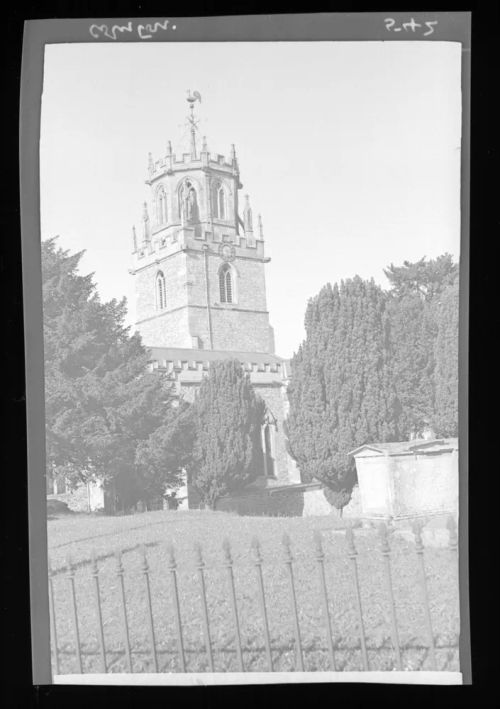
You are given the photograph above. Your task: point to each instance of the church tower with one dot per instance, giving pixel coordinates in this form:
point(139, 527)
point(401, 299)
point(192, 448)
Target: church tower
point(198, 263)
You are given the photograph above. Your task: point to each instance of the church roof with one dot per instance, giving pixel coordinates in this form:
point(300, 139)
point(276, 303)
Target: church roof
point(172, 354)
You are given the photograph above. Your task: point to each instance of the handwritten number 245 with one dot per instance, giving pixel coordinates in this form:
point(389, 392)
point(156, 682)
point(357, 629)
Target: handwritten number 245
point(390, 25)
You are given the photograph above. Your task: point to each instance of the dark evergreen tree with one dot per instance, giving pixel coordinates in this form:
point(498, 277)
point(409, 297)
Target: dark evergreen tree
point(101, 401)
point(340, 392)
point(411, 356)
point(424, 341)
point(446, 317)
point(226, 417)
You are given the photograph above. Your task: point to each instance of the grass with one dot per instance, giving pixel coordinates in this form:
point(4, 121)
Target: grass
point(80, 535)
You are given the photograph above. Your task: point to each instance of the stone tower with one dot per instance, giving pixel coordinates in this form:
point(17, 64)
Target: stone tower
point(199, 265)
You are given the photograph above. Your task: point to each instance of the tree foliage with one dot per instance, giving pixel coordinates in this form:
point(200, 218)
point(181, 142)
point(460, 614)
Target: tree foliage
point(103, 408)
point(375, 366)
point(423, 278)
point(411, 355)
point(446, 313)
point(226, 416)
point(340, 393)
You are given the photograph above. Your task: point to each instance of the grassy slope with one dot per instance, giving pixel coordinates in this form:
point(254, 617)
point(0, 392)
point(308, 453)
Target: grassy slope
point(79, 535)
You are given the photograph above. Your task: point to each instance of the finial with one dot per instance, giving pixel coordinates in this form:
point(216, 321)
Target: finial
point(145, 220)
point(261, 228)
point(233, 152)
point(134, 238)
point(204, 148)
point(193, 123)
point(169, 148)
point(150, 162)
point(247, 216)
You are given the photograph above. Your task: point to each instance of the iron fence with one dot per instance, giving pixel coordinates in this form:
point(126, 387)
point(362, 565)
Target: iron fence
point(73, 653)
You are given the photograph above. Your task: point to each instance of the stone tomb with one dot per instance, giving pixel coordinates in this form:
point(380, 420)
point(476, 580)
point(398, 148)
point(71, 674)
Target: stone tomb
point(408, 479)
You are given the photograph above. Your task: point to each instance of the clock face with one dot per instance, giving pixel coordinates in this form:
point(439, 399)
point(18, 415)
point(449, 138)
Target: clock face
point(227, 252)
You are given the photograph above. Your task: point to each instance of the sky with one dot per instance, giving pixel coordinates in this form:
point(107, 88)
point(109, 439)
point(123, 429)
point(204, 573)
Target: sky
point(350, 151)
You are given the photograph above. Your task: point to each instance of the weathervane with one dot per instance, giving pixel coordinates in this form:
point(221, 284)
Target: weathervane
point(193, 123)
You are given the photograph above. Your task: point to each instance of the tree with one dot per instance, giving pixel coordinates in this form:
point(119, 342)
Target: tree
point(446, 315)
point(226, 416)
point(101, 400)
point(423, 278)
point(340, 392)
point(424, 344)
point(411, 357)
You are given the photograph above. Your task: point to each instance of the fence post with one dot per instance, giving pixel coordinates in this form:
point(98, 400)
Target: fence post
point(172, 565)
point(53, 628)
point(145, 571)
point(229, 565)
point(126, 637)
point(417, 532)
point(353, 554)
point(262, 599)
point(71, 578)
point(287, 553)
point(386, 552)
point(95, 576)
point(206, 626)
point(320, 558)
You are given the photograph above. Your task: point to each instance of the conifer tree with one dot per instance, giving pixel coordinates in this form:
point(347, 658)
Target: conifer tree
point(100, 400)
point(446, 314)
point(411, 354)
point(340, 392)
point(226, 417)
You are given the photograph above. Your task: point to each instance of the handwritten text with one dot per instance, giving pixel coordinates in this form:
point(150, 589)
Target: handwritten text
point(147, 31)
point(410, 26)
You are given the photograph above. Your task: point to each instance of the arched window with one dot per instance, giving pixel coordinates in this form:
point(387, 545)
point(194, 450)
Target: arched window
point(161, 206)
point(219, 201)
point(226, 284)
point(161, 295)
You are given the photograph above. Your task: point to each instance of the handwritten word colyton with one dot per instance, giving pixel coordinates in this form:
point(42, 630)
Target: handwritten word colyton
point(114, 32)
point(410, 26)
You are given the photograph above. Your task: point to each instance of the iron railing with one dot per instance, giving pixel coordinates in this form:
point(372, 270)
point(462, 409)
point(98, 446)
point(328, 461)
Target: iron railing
point(70, 646)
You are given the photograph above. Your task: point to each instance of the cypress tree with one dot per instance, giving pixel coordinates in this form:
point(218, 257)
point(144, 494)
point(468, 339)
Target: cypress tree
point(412, 336)
point(340, 393)
point(446, 314)
point(226, 417)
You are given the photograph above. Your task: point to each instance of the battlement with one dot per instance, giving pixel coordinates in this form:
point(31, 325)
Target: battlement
point(169, 240)
point(172, 163)
point(188, 367)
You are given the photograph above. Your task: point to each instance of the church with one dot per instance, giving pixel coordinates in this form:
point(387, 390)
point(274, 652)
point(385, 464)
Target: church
point(199, 262)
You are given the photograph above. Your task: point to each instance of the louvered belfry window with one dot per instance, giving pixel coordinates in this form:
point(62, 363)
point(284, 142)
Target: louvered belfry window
point(226, 285)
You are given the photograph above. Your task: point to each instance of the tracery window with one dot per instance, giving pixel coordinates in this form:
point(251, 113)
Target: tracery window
point(226, 284)
point(161, 295)
point(219, 201)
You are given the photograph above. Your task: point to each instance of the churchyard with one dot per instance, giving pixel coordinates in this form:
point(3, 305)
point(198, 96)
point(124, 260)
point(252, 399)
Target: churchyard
point(148, 639)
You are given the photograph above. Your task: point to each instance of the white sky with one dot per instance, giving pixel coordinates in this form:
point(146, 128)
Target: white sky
point(349, 150)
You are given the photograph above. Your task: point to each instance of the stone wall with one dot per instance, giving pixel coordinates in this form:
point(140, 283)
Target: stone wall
point(286, 501)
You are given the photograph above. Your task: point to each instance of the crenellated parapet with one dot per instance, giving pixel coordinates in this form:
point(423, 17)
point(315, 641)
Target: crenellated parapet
point(188, 367)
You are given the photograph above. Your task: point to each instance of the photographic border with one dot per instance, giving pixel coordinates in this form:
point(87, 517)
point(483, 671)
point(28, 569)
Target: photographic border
point(455, 26)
